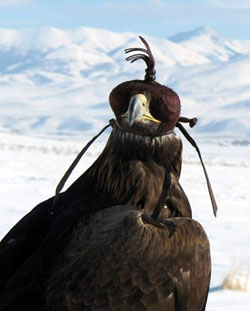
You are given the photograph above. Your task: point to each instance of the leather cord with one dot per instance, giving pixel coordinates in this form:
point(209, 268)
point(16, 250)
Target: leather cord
point(193, 143)
point(77, 159)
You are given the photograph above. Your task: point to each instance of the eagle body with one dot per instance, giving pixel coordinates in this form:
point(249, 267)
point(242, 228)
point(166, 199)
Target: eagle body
point(121, 237)
point(121, 261)
point(104, 250)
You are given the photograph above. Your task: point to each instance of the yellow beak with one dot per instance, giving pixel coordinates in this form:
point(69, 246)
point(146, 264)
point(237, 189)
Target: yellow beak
point(138, 110)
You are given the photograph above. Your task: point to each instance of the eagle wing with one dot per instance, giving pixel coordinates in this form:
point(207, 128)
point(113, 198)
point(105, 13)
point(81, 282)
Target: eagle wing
point(22, 239)
point(35, 239)
point(121, 259)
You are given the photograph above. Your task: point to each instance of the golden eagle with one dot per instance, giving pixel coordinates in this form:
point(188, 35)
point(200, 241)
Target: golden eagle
point(121, 237)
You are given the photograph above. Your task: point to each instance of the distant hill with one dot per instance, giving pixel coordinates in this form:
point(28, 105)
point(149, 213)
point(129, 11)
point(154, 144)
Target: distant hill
point(57, 82)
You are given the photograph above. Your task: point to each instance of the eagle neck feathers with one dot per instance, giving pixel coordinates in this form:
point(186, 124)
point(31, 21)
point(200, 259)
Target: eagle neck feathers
point(132, 168)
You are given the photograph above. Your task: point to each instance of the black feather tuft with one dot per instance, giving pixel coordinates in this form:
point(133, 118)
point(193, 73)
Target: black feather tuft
point(148, 59)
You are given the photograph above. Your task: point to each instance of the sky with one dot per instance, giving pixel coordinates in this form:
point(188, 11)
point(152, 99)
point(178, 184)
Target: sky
point(160, 18)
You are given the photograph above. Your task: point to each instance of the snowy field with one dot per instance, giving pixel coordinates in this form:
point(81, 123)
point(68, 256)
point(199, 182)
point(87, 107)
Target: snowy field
point(31, 167)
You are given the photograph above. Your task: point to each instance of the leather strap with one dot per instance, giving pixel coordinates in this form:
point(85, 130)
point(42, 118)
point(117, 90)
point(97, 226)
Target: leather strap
point(193, 143)
point(77, 159)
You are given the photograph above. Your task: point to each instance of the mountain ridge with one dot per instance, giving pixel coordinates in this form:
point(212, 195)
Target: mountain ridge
point(52, 80)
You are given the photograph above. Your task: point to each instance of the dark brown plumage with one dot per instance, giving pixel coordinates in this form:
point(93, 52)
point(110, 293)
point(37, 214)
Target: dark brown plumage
point(121, 237)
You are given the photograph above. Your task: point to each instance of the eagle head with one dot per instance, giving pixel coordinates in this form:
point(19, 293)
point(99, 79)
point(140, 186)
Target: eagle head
point(145, 107)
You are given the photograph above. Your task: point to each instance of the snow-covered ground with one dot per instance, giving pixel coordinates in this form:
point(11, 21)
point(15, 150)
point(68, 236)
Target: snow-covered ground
point(54, 88)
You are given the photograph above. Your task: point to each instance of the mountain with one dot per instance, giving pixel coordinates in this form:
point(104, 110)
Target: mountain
point(57, 82)
point(207, 42)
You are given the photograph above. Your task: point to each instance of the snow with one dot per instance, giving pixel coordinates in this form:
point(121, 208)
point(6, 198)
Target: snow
point(207, 42)
point(54, 87)
point(52, 75)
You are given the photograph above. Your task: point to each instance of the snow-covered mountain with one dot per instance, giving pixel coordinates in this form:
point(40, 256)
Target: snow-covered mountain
point(55, 81)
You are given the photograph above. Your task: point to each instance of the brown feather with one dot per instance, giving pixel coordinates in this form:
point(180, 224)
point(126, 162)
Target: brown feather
point(124, 259)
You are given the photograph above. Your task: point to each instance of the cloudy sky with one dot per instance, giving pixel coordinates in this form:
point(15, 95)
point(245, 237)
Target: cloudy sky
point(160, 18)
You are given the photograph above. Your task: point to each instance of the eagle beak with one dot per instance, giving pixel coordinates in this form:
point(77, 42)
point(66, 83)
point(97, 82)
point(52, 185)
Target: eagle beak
point(136, 108)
